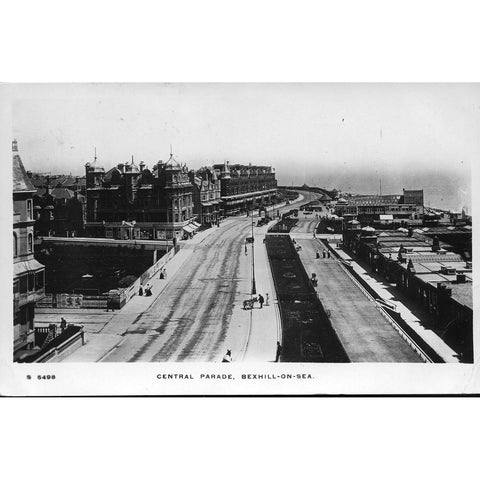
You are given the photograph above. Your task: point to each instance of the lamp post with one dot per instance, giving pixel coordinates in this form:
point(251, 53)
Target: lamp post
point(254, 288)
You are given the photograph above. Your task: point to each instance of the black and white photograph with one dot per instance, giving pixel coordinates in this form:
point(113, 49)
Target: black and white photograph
point(243, 223)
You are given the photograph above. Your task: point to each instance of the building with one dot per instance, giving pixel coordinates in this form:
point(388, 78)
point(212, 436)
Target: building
point(245, 187)
point(130, 201)
point(383, 209)
point(206, 195)
point(428, 271)
point(28, 274)
point(59, 211)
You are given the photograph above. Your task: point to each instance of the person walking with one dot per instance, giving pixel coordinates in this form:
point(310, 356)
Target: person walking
point(260, 300)
point(324, 253)
point(317, 254)
point(245, 249)
point(328, 253)
point(63, 325)
point(266, 301)
point(227, 358)
point(140, 291)
point(279, 352)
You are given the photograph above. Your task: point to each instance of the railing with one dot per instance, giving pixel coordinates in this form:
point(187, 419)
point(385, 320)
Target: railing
point(59, 349)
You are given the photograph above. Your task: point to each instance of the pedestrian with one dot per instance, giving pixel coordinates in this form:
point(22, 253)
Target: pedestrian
point(245, 249)
point(314, 236)
point(317, 254)
point(266, 302)
point(148, 290)
point(328, 253)
point(279, 352)
point(260, 300)
point(227, 358)
point(63, 325)
point(162, 274)
point(324, 253)
point(140, 291)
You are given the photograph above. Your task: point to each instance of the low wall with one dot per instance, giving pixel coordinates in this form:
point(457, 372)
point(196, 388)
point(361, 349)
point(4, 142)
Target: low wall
point(132, 290)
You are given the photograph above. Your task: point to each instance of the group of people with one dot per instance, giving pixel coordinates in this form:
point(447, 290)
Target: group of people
point(326, 254)
point(145, 290)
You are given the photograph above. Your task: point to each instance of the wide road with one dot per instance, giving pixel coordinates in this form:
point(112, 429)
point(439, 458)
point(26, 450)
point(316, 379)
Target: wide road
point(190, 319)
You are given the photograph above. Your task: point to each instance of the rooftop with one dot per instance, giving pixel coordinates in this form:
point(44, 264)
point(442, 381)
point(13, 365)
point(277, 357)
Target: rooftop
point(21, 181)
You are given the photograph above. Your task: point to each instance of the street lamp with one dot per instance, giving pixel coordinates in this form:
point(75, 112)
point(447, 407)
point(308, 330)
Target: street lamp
point(254, 288)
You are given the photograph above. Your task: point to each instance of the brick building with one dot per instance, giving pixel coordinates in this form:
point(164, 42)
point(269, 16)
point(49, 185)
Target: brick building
point(28, 273)
point(59, 210)
point(206, 195)
point(244, 187)
point(130, 201)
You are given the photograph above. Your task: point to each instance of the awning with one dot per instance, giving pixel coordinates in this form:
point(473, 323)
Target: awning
point(386, 217)
point(27, 266)
point(189, 228)
point(196, 224)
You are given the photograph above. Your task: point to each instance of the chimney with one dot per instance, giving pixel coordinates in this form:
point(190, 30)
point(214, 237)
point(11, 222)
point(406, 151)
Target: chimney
point(121, 167)
point(436, 244)
point(48, 187)
point(14, 145)
point(461, 278)
point(141, 165)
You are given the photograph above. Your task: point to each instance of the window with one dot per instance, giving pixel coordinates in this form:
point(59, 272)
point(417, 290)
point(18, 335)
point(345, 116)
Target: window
point(31, 282)
point(30, 242)
point(29, 210)
point(39, 279)
point(23, 284)
point(15, 244)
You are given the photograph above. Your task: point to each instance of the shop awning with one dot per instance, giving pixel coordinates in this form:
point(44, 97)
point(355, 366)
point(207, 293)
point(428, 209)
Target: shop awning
point(189, 228)
point(196, 224)
point(27, 266)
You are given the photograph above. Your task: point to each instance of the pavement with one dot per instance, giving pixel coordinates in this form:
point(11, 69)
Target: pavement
point(409, 311)
point(251, 334)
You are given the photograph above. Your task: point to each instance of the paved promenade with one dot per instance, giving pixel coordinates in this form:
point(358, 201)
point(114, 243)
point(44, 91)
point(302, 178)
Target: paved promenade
point(409, 311)
point(365, 333)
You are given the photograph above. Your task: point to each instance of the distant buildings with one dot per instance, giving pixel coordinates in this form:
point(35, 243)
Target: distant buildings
point(244, 187)
point(386, 209)
point(28, 274)
point(130, 201)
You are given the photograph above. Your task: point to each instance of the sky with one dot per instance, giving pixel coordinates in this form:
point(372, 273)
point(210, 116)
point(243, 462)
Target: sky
point(345, 136)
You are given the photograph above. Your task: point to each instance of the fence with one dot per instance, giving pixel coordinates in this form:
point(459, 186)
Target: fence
point(66, 300)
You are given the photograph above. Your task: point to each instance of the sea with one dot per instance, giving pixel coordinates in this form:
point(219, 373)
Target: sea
point(451, 191)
